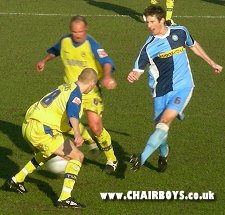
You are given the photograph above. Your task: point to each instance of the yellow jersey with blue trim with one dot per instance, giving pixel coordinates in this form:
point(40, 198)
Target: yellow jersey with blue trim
point(56, 108)
point(77, 56)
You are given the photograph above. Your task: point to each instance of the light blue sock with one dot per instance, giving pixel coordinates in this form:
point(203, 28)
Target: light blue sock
point(164, 149)
point(154, 141)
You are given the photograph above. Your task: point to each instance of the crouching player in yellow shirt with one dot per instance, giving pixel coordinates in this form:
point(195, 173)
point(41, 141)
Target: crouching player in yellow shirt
point(77, 51)
point(43, 128)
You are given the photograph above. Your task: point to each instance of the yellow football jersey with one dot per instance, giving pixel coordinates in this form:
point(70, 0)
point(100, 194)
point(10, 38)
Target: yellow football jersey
point(55, 109)
point(75, 59)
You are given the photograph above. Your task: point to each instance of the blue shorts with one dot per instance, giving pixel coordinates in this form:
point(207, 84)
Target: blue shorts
point(175, 100)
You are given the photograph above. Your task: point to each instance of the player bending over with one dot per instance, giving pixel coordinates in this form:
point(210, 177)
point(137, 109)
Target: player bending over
point(43, 128)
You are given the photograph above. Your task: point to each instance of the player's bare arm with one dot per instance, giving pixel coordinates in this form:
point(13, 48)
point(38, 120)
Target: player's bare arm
point(199, 51)
point(41, 64)
point(77, 137)
point(108, 81)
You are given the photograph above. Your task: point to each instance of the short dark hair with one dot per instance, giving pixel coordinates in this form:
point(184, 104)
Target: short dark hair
point(78, 18)
point(154, 10)
point(87, 75)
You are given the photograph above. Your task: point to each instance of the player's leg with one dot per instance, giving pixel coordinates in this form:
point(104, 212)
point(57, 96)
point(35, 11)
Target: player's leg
point(17, 182)
point(93, 148)
point(173, 103)
point(159, 106)
point(163, 156)
point(34, 133)
point(178, 102)
point(104, 139)
point(155, 140)
point(159, 136)
point(93, 108)
point(75, 158)
point(169, 12)
point(87, 102)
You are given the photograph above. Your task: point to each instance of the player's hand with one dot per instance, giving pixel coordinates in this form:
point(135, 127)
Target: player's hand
point(40, 66)
point(78, 141)
point(133, 76)
point(109, 83)
point(217, 68)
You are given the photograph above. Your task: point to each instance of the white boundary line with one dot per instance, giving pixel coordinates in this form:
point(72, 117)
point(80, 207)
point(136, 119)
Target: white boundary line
point(100, 15)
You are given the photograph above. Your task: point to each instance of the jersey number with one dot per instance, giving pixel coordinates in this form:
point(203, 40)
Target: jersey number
point(47, 100)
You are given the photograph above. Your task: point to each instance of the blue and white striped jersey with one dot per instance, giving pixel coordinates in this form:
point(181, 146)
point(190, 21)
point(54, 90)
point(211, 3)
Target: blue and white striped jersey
point(169, 67)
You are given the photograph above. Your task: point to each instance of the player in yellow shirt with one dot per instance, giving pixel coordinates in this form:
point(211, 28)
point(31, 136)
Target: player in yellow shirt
point(43, 128)
point(169, 10)
point(77, 51)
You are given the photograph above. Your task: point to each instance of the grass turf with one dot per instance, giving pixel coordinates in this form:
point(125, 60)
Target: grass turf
point(196, 161)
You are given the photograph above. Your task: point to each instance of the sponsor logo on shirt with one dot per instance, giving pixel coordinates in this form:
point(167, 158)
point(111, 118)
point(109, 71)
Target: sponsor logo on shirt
point(171, 52)
point(102, 53)
point(72, 62)
point(77, 101)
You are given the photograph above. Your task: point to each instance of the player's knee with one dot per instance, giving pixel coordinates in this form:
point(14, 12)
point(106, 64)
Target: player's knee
point(96, 129)
point(77, 155)
point(163, 126)
point(81, 157)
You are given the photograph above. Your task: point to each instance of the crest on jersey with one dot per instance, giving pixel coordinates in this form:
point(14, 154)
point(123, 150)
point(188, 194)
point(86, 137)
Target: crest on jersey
point(174, 37)
point(102, 53)
point(77, 101)
point(95, 101)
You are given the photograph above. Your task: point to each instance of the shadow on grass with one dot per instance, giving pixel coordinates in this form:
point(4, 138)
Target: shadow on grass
point(41, 185)
point(123, 161)
point(220, 2)
point(10, 168)
point(14, 132)
point(45, 188)
point(121, 157)
point(7, 166)
point(150, 166)
point(121, 10)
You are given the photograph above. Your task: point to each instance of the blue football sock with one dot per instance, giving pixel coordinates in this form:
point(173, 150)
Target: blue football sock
point(155, 140)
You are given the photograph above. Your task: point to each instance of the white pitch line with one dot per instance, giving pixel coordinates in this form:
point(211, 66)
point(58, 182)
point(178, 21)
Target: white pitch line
point(100, 15)
point(59, 14)
point(204, 17)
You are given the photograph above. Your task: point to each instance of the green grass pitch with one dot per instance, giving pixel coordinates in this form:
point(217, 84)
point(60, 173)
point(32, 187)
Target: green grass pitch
point(29, 27)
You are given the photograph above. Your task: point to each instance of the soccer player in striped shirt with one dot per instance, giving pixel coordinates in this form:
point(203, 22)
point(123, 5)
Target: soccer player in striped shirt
point(170, 79)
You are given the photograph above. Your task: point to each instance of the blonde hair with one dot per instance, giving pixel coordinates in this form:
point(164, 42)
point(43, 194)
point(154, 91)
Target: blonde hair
point(87, 75)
